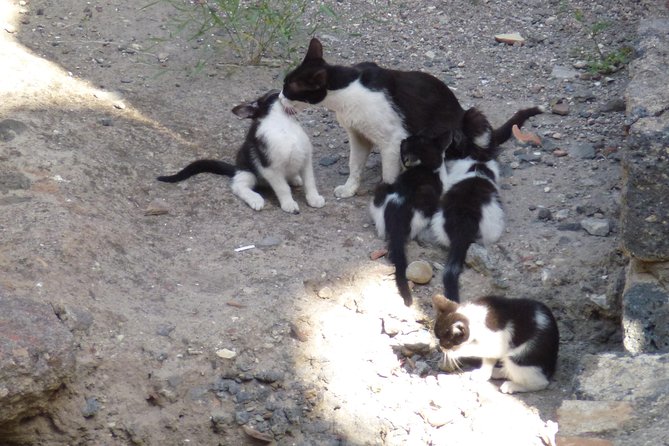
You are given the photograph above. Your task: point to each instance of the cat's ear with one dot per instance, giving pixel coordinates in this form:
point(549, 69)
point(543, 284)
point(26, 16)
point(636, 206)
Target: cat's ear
point(443, 305)
point(315, 50)
point(319, 78)
point(248, 110)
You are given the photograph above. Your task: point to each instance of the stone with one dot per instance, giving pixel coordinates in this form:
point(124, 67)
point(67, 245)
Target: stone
point(560, 107)
point(510, 38)
point(596, 226)
point(326, 292)
point(582, 150)
point(329, 160)
point(91, 408)
point(419, 272)
point(479, 259)
point(269, 242)
point(645, 312)
point(561, 72)
point(10, 129)
point(36, 357)
point(419, 341)
point(613, 105)
point(544, 214)
point(578, 417)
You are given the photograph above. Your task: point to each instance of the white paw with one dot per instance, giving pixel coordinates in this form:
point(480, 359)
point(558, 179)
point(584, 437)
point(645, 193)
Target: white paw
point(344, 191)
point(479, 375)
point(315, 201)
point(509, 387)
point(256, 202)
point(290, 207)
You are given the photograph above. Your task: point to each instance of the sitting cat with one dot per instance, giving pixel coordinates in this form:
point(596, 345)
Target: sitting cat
point(377, 107)
point(520, 333)
point(406, 208)
point(276, 150)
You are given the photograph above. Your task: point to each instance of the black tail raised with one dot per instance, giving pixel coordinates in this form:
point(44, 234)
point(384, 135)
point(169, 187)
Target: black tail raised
point(502, 134)
point(200, 166)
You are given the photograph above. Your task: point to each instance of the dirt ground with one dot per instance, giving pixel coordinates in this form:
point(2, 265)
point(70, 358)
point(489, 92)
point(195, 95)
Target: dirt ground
point(147, 276)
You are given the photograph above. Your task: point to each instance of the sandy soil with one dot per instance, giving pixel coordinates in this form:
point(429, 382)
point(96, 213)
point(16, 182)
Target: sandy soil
point(147, 276)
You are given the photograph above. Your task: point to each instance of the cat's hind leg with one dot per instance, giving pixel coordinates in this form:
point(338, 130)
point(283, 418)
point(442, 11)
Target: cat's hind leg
point(523, 378)
point(360, 149)
point(242, 185)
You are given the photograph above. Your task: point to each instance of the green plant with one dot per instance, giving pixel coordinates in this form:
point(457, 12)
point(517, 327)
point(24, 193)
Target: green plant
point(600, 62)
point(252, 29)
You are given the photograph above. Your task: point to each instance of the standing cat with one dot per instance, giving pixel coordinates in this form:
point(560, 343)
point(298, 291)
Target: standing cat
point(407, 207)
point(520, 333)
point(377, 107)
point(276, 150)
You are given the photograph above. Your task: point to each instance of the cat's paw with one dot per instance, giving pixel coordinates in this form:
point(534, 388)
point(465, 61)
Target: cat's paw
point(291, 207)
point(315, 201)
point(344, 191)
point(256, 202)
point(480, 375)
point(510, 387)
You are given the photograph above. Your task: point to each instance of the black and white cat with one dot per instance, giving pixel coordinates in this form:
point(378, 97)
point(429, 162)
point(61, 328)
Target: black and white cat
point(376, 106)
point(448, 186)
point(276, 151)
point(520, 333)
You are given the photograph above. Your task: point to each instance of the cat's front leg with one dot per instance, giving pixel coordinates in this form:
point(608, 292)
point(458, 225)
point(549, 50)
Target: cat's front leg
point(390, 162)
point(280, 186)
point(484, 372)
point(360, 149)
point(314, 199)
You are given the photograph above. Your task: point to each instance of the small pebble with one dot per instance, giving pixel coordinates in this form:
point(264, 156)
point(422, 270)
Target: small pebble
point(419, 272)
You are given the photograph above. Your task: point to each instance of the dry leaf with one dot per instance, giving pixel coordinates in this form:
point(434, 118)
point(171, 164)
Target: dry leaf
point(525, 137)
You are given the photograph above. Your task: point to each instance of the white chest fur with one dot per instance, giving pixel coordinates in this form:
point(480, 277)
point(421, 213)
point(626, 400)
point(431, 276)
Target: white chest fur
point(367, 112)
point(288, 146)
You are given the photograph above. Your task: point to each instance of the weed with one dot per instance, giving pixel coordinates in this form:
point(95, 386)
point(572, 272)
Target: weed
point(252, 29)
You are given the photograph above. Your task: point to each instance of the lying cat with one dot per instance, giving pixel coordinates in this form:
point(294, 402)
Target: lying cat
point(377, 107)
point(276, 150)
point(435, 167)
point(520, 333)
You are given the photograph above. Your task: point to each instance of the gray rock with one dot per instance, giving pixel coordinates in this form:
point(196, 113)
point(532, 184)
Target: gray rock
point(91, 408)
point(596, 226)
point(13, 181)
point(562, 72)
point(479, 259)
point(419, 341)
point(269, 242)
point(36, 357)
point(329, 160)
point(10, 129)
point(544, 214)
point(613, 105)
point(581, 150)
point(645, 316)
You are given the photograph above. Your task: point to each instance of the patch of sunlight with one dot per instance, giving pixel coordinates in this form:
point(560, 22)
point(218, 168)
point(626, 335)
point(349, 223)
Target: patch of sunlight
point(28, 81)
point(371, 399)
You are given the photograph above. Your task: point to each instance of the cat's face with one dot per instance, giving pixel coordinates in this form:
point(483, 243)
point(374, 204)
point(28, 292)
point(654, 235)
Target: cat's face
point(308, 82)
point(258, 108)
point(450, 327)
point(418, 150)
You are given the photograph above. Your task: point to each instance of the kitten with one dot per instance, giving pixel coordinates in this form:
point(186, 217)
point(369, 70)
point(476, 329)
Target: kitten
point(377, 107)
point(276, 151)
point(405, 209)
point(520, 333)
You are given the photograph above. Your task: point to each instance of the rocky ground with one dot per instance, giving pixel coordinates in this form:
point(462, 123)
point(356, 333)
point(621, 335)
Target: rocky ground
point(180, 339)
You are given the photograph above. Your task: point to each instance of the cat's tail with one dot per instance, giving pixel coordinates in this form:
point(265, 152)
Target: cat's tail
point(397, 228)
point(502, 134)
point(200, 166)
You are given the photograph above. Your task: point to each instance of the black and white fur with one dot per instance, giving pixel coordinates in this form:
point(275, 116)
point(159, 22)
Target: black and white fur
point(450, 187)
point(404, 209)
point(276, 151)
point(377, 107)
point(522, 334)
